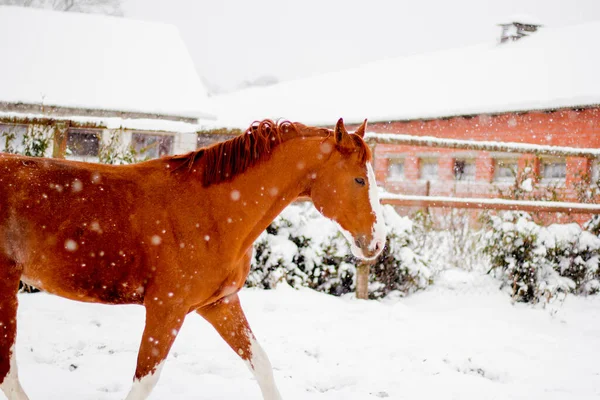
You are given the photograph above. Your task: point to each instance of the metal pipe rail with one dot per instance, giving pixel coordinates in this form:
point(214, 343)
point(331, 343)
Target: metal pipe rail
point(489, 204)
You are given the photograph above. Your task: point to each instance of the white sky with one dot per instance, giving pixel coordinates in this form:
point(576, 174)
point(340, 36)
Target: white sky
point(232, 41)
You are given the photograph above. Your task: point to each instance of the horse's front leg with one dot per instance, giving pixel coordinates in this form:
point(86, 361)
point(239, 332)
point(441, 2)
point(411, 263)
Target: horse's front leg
point(164, 318)
point(228, 318)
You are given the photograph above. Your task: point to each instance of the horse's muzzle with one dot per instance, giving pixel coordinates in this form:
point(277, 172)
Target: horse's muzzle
point(368, 250)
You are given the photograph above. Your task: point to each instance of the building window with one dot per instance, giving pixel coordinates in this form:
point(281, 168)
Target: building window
point(83, 145)
point(505, 170)
point(553, 170)
point(207, 139)
point(464, 170)
point(396, 170)
point(152, 146)
point(11, 138)
point(428, 169)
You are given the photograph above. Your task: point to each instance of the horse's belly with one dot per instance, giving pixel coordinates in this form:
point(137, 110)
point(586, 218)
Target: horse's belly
point(83, 284)
point(84, 271)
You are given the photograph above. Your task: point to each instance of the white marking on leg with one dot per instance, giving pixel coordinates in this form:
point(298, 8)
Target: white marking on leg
point(142, 387)
point(11, 385)
point(260, 366)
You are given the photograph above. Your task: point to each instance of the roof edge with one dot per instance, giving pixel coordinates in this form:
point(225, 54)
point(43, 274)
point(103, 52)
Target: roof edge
point(61, 111)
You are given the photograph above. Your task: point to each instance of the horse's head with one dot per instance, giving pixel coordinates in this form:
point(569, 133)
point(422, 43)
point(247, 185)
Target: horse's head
point(344, 189)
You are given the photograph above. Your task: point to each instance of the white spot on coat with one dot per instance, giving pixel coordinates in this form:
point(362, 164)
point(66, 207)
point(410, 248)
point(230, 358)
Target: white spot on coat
point(70, 245)
point(77, 186)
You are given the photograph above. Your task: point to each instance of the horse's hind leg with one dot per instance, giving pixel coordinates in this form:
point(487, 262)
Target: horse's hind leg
point(228, 318)
point(10, 275)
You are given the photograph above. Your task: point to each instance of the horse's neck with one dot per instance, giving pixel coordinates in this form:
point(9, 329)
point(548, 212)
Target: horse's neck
point(273, 184)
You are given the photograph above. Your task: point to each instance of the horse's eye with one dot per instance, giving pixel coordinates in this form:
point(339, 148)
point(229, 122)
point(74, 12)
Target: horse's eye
point(360, 181)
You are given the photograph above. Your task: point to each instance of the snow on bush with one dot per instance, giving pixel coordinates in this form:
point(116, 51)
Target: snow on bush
point(399, 269)
point(574, 253)
point(593, 225)
point(539, 263)
point(303, 248)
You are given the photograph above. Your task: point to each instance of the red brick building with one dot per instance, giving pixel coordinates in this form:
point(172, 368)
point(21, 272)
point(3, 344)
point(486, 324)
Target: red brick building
point(407, 169)
point(539, 86)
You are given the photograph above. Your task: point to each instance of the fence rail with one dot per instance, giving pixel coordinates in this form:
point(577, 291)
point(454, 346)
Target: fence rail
point(489, 204)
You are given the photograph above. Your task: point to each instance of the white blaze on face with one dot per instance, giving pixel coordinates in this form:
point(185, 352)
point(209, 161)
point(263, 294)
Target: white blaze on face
point(379, 230)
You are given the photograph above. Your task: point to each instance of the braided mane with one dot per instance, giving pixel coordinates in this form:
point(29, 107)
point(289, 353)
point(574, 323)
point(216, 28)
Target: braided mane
point(223, 161)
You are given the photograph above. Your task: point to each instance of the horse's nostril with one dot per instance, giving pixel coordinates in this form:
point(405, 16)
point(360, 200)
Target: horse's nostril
point(377, 246)
point(357, 243)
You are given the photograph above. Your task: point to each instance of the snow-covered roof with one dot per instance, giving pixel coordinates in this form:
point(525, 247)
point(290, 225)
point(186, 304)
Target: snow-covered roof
point(97, 62)
point(552, 68)
point(138, 124)
point(522, 19)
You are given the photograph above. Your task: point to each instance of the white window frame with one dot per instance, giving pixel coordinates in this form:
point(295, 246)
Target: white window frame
point(396, 161)
point(507, 161)
point(429, 161)
point(544, 161)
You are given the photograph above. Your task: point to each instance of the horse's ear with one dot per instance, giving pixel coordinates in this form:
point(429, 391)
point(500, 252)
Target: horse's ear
point(342, 137)
point(361, 129)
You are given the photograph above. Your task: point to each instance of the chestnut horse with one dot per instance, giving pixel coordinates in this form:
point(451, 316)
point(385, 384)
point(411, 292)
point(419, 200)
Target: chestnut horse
point(174, 234)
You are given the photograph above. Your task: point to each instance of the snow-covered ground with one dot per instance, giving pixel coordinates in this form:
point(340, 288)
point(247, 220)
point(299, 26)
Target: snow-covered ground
point(460, 339)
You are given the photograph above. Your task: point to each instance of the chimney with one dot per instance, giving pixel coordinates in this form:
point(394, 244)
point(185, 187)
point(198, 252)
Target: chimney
point(520, 27)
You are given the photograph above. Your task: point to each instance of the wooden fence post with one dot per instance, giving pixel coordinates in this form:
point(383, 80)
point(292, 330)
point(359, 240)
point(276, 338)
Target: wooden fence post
point(61, 134)
point(362, 279)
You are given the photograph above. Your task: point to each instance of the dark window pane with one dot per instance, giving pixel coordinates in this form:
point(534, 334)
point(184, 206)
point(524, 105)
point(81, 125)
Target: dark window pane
point(152, 146)
point(83, 143)
point(464, 170)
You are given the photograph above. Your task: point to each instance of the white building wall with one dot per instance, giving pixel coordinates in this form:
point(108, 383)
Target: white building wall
point(185, 142)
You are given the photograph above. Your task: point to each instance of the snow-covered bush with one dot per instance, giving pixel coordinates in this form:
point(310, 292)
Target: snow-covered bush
point(305, 249)
point(574, 254)
point(399, 268)
point(593, 225)
point(36, 140)
point(536, 262)
point(448, 239)
point(112, 150)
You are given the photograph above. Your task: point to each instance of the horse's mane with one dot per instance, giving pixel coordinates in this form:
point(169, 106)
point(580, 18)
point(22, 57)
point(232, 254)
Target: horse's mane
point(223, 161)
